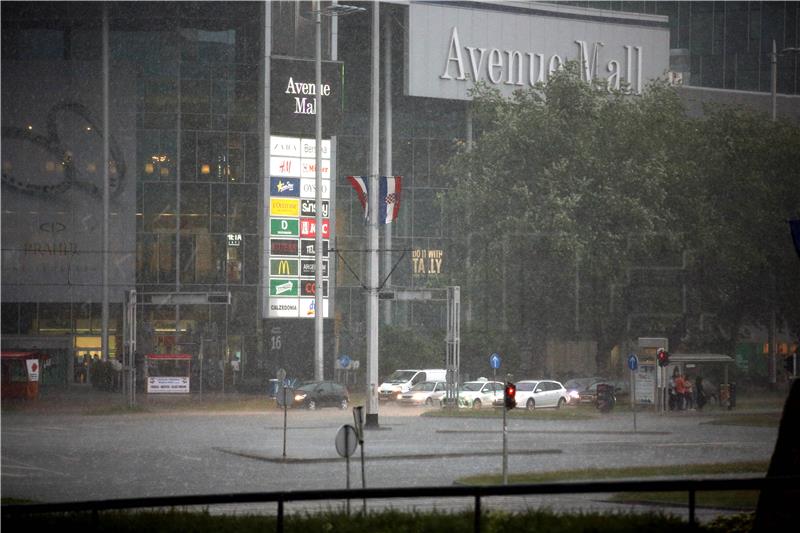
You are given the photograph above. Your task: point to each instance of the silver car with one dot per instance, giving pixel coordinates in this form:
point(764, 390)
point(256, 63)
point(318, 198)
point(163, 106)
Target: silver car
point(427, 393)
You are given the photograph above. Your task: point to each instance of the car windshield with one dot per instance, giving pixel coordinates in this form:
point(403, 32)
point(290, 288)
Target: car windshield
point(400, 376)
point(472, 386)
point(425, 386)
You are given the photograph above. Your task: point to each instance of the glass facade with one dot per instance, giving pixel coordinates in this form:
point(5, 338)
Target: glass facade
point(729, 43)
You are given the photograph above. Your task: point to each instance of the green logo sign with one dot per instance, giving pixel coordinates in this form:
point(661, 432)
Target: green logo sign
point(284, 226)
point(284, 287)
point(283, 267)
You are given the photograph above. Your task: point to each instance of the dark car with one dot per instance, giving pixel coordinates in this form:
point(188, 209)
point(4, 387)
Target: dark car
point(314, 394)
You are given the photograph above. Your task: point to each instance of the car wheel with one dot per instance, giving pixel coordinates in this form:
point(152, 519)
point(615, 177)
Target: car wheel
point(476, 404)
point(343, 404)
point(428, 402)
point(561, 403)
point(311, 405)
point(530, 405)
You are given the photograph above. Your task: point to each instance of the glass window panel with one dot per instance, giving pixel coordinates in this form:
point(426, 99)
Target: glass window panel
point(251, 271)
point(147, 258)
point(252, 169)
point(211, 156)
point(166, 258)
point(159, 207)
point(54, 318)
point(243, 209)
point(28, 319)
point(10, 318)
point(195, 96)
point(194, 208)
point(219, 208)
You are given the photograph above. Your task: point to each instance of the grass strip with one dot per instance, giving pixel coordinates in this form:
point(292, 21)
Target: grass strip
point(749, 419)
point(389, 521)
point(592, 474)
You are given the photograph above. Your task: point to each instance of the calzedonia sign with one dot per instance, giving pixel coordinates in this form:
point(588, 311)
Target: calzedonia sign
point(293, 96)
point(451, 47)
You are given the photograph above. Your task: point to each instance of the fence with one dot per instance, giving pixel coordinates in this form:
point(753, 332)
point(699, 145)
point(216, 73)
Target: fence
point(692, 486)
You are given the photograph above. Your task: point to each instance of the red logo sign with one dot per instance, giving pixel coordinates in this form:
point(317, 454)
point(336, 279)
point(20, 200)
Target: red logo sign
point(308, 226)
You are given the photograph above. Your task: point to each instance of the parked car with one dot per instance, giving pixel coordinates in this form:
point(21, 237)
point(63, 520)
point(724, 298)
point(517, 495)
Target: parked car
point(537, 394)
point(314, 394)
point(589, 395)
point(576, 386)
point(476, 394)
point(426, 393)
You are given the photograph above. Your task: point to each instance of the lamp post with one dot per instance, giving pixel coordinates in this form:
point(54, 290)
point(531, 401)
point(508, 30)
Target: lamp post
point(319, 311)
point(773, 59)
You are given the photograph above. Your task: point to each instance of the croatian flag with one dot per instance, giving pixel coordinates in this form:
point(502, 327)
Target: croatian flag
point(389, 196)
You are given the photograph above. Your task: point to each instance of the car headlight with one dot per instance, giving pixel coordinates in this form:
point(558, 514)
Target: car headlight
point(300, 397)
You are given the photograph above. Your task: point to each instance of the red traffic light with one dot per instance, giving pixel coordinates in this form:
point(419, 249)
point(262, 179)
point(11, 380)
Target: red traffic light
point(509, 395)
point(662, 356)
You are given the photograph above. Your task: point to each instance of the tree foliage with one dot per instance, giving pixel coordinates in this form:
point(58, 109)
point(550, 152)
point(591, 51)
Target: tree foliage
point(581, 212)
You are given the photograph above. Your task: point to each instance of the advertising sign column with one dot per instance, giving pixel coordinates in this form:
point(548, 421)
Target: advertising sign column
point(291, 226)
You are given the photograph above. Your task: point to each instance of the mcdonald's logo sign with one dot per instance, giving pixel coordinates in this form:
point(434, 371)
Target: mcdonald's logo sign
point(283, 267)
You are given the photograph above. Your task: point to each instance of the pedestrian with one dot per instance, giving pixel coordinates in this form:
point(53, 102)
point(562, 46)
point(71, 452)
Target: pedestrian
point(680, 391)
point(699, 393)
point(689, 394)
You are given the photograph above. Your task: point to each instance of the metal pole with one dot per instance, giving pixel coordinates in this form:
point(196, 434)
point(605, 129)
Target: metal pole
point(106, 192)
point(387, 153)
point(363, 477)
point(773, 59)
point(372, 283)
point(505, 446)
point(285, 407)
point(318, 283)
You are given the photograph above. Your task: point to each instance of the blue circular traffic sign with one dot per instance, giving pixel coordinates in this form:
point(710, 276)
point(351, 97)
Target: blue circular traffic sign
point(494, 360)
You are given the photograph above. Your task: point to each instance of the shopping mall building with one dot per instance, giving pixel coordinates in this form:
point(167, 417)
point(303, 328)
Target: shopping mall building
point(210, 120)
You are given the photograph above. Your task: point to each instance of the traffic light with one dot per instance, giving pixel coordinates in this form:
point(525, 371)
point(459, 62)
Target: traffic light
point(510, 395)
point(662, 356)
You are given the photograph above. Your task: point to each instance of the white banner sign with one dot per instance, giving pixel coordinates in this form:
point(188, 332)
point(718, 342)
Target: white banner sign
point(33, 369)
point(168, 384)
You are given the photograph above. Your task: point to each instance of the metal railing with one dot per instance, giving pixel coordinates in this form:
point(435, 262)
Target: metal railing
point(692, 486)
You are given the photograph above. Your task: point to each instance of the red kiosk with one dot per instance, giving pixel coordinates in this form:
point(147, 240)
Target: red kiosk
point(20, 374)
point(168, 372)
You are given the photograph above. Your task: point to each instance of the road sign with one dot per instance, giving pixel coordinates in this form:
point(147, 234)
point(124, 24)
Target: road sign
point(280, 375)
point(494, 360)
point(284, 396)
point(633, 362)
point(344, 360)
point(346, 440)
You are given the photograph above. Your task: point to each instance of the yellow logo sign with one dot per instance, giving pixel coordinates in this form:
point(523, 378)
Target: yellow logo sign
point(284, 207)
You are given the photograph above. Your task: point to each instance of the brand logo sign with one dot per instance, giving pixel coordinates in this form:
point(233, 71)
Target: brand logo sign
point(284, 307)
point(308, 208)
point(283, 267)
point(308, 287)
point(284, 187)
point(308, 227)
point(283, 246)
point(234, 239)
point(307, 247)
point(287, 207)
point(283, 287)
point(308, 268)
point(307, 307)
point(308, 189)
point(286, 227)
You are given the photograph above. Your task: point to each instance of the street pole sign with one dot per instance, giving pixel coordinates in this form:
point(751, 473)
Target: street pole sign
point(494, 361)
point(633, 365)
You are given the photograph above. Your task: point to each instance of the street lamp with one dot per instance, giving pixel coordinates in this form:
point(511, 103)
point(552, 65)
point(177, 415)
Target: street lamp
point(773, 59)
point(319, 311)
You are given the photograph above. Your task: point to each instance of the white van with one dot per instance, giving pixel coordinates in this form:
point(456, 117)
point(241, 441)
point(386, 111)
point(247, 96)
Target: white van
point(402, 380)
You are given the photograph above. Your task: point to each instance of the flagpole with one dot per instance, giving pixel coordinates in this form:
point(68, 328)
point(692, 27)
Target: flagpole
point(371, 420)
